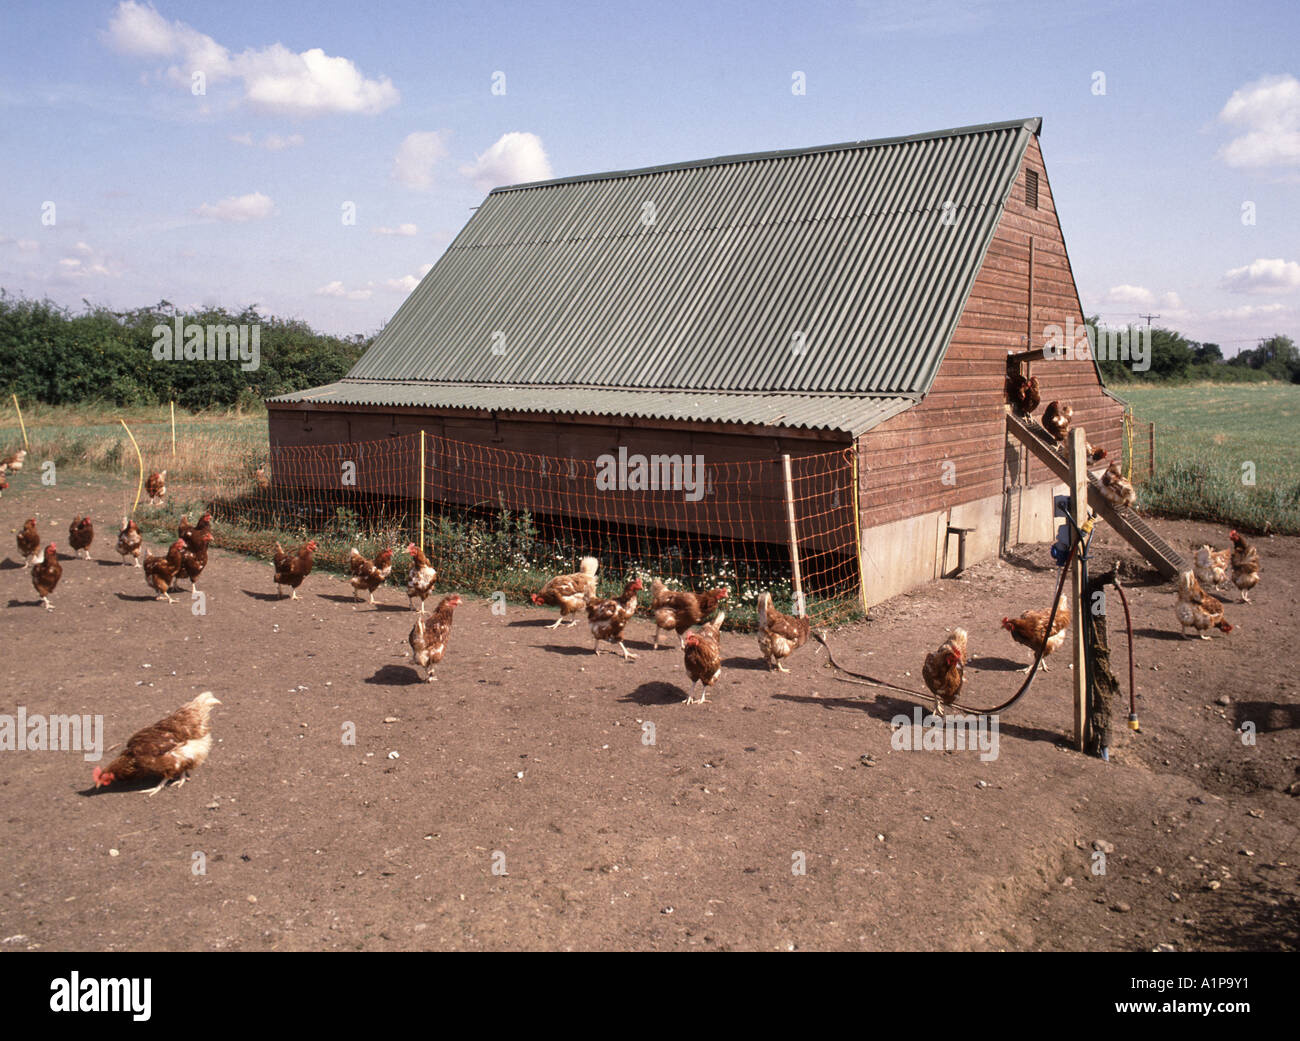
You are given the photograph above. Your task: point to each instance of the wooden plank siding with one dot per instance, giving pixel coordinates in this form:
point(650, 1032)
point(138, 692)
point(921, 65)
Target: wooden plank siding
point(962, 418)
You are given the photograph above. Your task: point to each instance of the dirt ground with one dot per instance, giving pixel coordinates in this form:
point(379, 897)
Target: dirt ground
point(528, 755)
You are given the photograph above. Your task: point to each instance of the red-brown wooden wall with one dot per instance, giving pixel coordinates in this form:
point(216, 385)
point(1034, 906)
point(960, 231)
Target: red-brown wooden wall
point(963, 417)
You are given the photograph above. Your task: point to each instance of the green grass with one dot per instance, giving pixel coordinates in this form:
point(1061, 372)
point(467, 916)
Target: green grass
point(92, 436)
point(1206, 434)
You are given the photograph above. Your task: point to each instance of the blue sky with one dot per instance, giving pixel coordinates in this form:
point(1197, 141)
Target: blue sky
point(235, 195)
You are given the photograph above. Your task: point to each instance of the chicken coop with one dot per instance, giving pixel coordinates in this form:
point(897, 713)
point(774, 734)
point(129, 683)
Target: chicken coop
point(825, 331)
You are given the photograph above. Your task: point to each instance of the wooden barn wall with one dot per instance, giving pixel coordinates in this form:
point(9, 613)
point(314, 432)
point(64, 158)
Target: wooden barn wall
point(962, 419)
point(761, 515)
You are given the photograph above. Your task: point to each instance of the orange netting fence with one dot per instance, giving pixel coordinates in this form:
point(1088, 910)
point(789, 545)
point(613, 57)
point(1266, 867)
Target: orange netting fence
point(494, 520)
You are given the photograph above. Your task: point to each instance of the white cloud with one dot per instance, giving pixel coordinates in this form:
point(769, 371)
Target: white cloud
point(271, 142)
point(238, 208)
point(1127, 294)
point(404, 230)
point(276, 143)
point(1264, 276)
point(24, 245)
point(1267, 112)
point(88, 264)
point(1247, 311)
point(416, 157)
point(515, 158)
point(336, 289)
point(1129, 300)
point(274, 78)
point(139, 30)
point(309, 83)
point(407, 282)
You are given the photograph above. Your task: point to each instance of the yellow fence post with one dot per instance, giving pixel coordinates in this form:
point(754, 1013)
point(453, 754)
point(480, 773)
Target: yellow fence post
point(21, 424)
point(139, 460)
point(421, 491)
point(857, 533)
point(173, 429)
point(800, 608)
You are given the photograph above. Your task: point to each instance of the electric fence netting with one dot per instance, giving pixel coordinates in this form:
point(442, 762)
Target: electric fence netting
point(493, 520)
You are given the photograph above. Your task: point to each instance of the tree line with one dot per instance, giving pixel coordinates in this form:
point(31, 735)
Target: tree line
point(1176, 358)
point(52, 355)
point(55, 356)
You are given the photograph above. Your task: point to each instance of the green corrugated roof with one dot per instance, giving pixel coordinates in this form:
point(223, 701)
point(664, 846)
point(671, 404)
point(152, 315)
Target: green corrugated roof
point(847, 245)
point(854, 414)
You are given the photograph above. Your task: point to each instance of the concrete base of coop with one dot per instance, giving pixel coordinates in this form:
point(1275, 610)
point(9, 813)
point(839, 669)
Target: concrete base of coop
point(906, 553)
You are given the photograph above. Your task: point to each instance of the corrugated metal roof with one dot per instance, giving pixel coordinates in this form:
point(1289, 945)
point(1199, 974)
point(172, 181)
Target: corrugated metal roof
point(867, 250)
point(854, 414)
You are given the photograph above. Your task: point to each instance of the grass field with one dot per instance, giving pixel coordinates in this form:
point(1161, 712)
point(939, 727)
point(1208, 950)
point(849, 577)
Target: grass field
point(1209, 439)
point(91, 436)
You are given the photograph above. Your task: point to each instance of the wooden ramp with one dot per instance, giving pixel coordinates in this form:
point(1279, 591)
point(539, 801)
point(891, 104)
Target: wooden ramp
point(1132, 528)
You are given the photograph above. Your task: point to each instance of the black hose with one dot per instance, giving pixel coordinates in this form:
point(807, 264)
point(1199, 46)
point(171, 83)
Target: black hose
point(1132, 685)
point(1029, 679)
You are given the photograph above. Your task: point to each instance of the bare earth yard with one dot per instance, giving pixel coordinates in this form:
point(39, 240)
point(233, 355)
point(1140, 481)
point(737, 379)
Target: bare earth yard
point(528, 751)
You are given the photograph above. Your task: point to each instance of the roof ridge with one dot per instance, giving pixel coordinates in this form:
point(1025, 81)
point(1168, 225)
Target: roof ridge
point(1033, 124)
point(625, 389)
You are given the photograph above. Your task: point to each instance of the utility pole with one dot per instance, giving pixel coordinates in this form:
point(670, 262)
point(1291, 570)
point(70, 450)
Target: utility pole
point(1148, 317)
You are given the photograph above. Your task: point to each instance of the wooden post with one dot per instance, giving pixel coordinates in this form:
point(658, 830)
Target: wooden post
point(1029, 316)
point(857, 532)
point(173, 404)
point(21, 424)
point(794, 538)
point(1152, 471)
point(421, 491)
point(1079, 506)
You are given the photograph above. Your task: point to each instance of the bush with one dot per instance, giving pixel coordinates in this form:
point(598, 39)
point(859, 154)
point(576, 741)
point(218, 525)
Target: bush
point(51, 355)
point(1202, 490)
